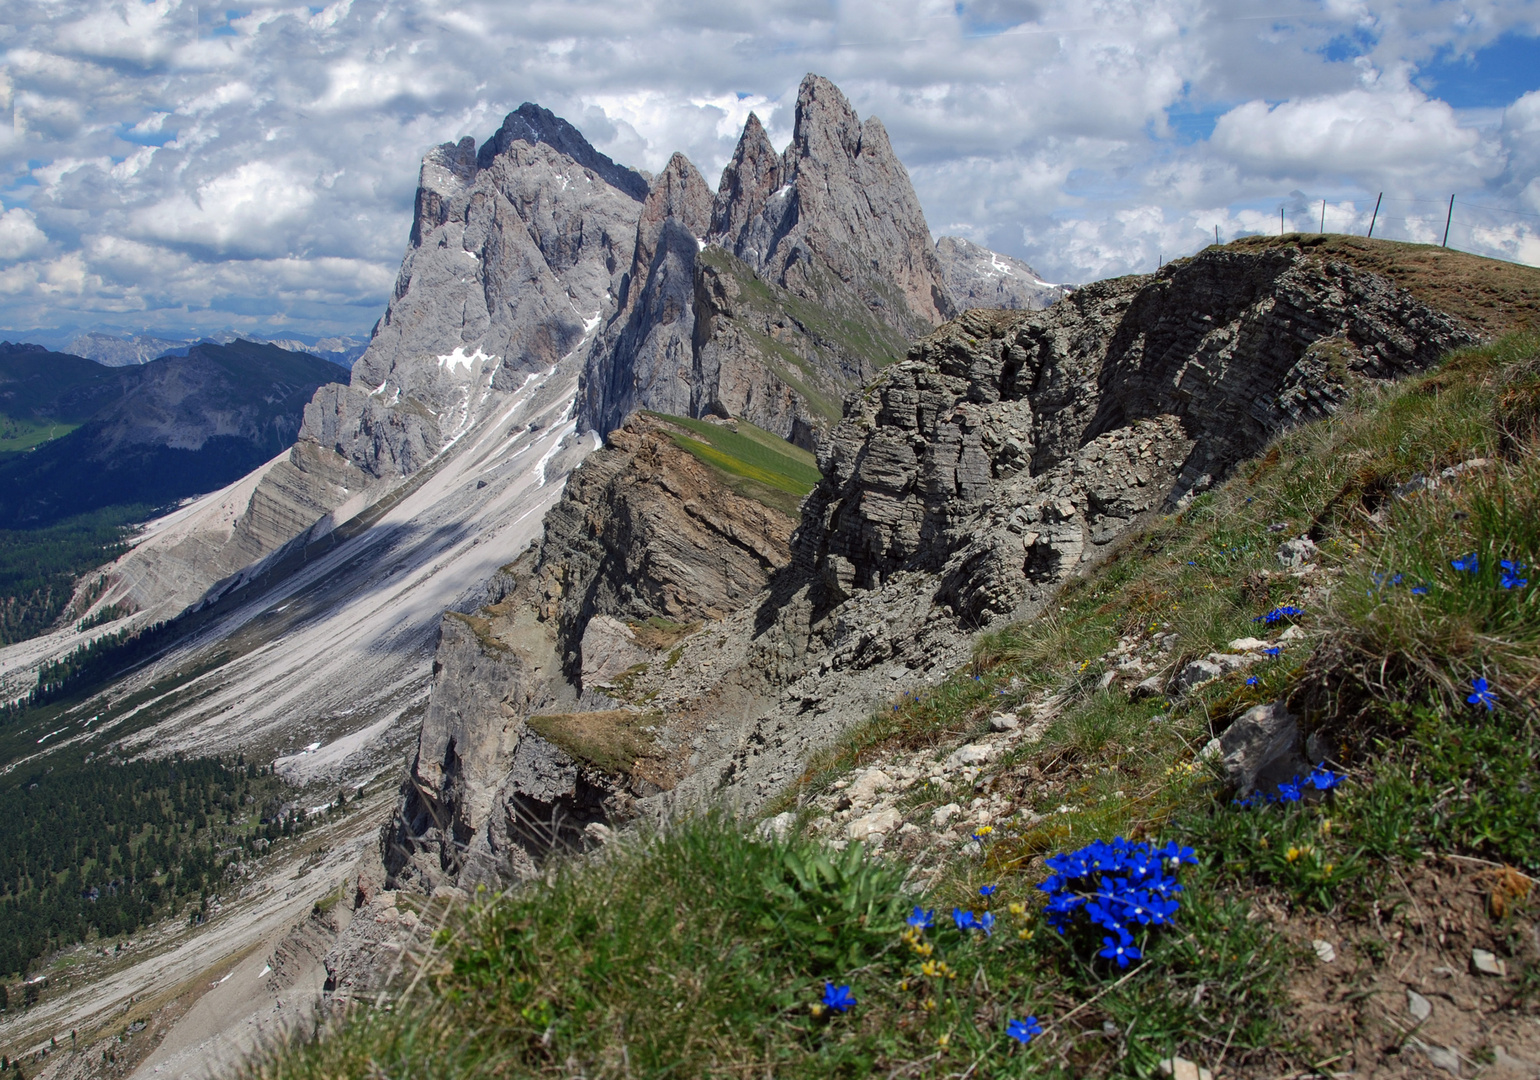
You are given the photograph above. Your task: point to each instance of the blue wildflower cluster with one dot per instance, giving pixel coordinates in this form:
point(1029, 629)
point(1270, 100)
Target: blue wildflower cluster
point(1288, 611)
point(1118, 887)
point(1292, 791)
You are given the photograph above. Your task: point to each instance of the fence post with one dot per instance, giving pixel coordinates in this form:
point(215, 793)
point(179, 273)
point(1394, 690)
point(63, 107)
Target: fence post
point(1323, 217)
point(1447, 220)
point(1376, 216)
point(1280, 221)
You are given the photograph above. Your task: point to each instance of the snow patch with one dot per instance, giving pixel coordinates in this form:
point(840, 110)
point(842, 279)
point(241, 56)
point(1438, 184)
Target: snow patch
point(460, 358)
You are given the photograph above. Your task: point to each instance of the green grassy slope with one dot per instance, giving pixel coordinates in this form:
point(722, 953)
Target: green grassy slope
point(700, 952)
point(750, 460)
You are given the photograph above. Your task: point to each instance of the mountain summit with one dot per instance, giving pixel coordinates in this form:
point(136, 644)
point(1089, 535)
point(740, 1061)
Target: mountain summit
point(809, 272)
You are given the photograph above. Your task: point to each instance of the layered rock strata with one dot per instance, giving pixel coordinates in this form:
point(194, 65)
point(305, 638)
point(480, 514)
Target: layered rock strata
point(531, 733)
point(960, 488)
point(814, 269)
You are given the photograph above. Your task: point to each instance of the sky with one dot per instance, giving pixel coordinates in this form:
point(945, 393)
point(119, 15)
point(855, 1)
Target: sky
point(186, 168)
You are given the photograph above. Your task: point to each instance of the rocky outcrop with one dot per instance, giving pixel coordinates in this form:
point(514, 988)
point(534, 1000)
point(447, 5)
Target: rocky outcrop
point(980, 278)
point(654, 326)
point(647, 543)
point(1026, 441)
point(515, 251)
point(961, 487)
point(805, 275)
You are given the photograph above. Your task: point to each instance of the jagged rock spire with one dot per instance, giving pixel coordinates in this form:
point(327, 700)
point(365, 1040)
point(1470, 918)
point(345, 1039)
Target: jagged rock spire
point(748, 182)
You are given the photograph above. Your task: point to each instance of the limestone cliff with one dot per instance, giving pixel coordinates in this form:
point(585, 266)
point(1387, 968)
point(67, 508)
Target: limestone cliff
point(531, 734)
point(806, 273)
point(515, 251)
point(963, 485)
point(980, 278)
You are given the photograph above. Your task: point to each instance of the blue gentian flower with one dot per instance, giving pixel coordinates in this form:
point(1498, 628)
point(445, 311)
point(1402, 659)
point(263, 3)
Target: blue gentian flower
point(1288, 611)
point(1323, 779)
point(1484, 694)
point(1252, 681)
point(1420, 590)
point(1276, 650)
point(1024, 1031)
point(1467, 565)
point(922, 919)
point(986, 923)
point(837, 998)
point(1510, 575)
point(1176, 854)
point(964, 920)
point(986, 891)
point(1290, 792)
point(1121, 951)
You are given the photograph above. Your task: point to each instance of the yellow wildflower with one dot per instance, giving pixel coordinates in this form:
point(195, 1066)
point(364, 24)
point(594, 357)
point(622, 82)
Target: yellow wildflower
point(816, 1008)
point(943, 1039)
point(984, 830)
point(930, 970)
point(929, 1004)
point(1018, 908)
point(1024, 935)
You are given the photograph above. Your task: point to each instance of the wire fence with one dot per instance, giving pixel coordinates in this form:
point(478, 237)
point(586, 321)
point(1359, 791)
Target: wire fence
point(1465, 223)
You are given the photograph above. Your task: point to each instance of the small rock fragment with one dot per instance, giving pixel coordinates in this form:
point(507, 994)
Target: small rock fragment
point(1004, 722)
point(1106, 680)
point(1441, 1056)
point(1197, 673)
point(771, 828)
point(1151, 687)
point(1488, 963)
point(1247, 644)
point(1324, 951)
point(882, 823)
point(972, 754)
point(1420, 1007)
point(866, 786)
point(944, 815)
point(1181, 1069)
point(1297, 552)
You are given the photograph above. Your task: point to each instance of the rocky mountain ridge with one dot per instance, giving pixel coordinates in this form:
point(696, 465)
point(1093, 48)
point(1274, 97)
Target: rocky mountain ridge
point(830, 229)
point(1008, 450)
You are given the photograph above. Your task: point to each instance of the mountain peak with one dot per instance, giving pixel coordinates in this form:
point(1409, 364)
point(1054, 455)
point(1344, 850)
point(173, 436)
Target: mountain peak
point(533, 124)
point(826, 123)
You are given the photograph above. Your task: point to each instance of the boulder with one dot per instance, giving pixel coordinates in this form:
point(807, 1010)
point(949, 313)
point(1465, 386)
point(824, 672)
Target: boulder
point(609, 648)
point(882, 822)
point(1263, 749)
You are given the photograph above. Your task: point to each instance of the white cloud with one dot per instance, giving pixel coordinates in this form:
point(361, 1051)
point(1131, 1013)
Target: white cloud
point(20, 238)
point(207, 168)
point(1361, 132)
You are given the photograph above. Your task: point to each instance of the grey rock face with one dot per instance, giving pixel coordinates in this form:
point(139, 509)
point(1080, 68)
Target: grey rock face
point(654, 327)
point(815, 270)
point(644, 538)
point(980, 278)
point(1262, 749)
point(516, 254)
point(1010, 447)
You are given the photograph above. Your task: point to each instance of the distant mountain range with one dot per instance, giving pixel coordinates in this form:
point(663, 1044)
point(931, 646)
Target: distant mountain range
point(77, 435)
point(128, 350)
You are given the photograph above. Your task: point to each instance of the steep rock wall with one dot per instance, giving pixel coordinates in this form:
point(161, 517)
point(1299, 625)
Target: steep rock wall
point(809, 271)
point(646, 544)
point(966, 482)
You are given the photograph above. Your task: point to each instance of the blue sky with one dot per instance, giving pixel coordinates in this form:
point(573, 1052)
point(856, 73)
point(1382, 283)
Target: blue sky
point(185, 168)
